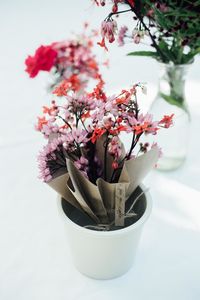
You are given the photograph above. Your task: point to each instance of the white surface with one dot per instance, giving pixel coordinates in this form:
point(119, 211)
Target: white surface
point(34, 259)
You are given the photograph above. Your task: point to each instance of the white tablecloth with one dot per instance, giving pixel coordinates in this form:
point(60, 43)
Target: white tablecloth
point(35, 263)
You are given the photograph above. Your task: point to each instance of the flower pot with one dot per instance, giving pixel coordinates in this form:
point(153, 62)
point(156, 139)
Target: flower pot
point(104, 254)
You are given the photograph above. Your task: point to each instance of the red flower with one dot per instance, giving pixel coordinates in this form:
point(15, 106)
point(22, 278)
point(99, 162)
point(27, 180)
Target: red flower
point(43, 60)
point(61, 89)
point(146, 127)
point(97, 133)
point(98, 92)
point(115, 165)
point(167, 121)
point(117, 130)
point(131, 3)
point(102, 44)
point(72, 83)
point(41, 121)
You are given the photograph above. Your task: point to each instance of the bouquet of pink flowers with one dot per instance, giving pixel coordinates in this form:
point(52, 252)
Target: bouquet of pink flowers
point(71, 62)
point(85, 160)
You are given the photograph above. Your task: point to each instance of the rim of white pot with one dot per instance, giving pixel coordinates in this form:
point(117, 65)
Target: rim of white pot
point(124, 230)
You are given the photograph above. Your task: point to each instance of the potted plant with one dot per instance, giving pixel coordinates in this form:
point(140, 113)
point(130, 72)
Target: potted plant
point(101, 197)
point(171, 29)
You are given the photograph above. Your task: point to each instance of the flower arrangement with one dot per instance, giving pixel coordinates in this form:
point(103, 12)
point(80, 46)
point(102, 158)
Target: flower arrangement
point(169, 28)
point(71, 62)
point(85, 160)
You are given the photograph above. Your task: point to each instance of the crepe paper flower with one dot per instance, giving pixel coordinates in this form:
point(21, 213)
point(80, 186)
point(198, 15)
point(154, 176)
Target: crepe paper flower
point(43, 60)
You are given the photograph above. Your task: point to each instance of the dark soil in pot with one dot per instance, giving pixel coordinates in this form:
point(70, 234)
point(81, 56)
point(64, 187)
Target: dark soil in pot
point(82, 219)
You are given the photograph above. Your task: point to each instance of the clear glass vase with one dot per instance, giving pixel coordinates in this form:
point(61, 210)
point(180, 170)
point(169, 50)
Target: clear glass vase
point(171, 100)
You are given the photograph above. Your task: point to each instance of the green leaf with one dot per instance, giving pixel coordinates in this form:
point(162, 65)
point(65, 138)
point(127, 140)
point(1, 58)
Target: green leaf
point(144, 53)
point(173, 101)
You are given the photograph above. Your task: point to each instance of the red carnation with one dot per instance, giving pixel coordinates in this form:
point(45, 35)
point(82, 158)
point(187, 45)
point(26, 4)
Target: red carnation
point(43, 60)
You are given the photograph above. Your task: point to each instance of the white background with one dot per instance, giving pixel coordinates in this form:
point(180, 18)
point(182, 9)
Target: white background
point(34, 256)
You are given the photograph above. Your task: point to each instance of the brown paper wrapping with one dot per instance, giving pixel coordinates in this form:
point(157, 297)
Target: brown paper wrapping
point(104, 202)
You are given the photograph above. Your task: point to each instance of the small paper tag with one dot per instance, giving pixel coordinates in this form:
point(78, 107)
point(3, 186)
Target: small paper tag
point(119, 204)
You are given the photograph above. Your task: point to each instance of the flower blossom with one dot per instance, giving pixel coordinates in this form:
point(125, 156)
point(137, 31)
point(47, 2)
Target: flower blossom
point(47, 127)
point(114, 147)
point(138, 35)
point(167, 121)
point(80, 103)
point(97, 133)
point(43, 60)
point(143, 124)
point(82, 165)
point(74, 128)
point(121, 35)
point(75, 138)
point(108, 31)
point(51, 159)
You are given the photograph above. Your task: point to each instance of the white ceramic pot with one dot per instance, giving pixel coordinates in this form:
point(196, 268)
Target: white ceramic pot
point(107, 254)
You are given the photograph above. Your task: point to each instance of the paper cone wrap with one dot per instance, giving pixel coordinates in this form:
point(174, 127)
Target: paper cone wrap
point(104, 202)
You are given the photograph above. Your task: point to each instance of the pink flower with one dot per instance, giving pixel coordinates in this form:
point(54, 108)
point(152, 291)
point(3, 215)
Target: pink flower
point(121, 35)
point(108, 30)
point(114, 147)
point(73, 138)
point(108, 121)
point(138, 35)
point(47, 126)
point(166, 121)
point(82, 165)
point(51, 159)
point(143, 124)
point(80, 102)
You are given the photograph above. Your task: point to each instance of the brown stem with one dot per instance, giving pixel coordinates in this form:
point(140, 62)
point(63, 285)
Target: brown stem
point(117, 13)
point(140, 18)
point(65, 122)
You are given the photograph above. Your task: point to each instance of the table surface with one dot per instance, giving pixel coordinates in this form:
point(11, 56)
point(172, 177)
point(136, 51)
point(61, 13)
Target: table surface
point(35, 262)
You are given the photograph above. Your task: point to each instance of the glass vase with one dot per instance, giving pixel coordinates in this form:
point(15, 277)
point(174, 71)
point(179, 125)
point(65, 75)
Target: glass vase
point(170, 99)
